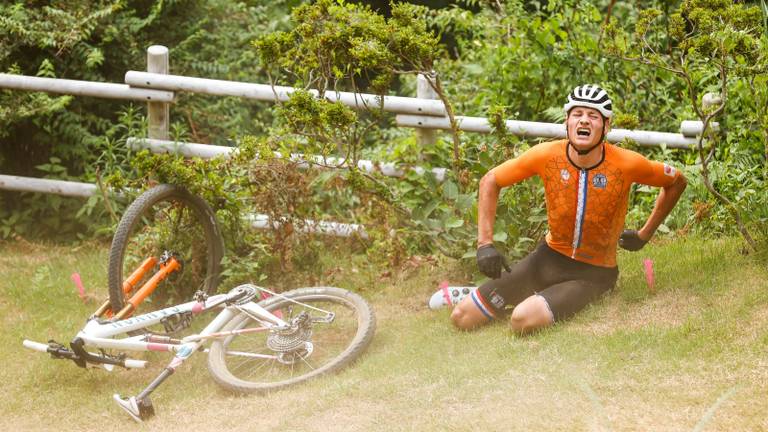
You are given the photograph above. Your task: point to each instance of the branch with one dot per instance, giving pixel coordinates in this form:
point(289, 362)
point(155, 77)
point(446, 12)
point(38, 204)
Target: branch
point(434, 82)
point(647, 62)
point(706, 118)
point(105, 197)
point(606, 22)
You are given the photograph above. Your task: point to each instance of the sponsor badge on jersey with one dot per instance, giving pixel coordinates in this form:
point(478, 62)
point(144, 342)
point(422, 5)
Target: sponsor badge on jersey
point(497, 301)
point(599, 181)
point(565, 175)
point(669, 170)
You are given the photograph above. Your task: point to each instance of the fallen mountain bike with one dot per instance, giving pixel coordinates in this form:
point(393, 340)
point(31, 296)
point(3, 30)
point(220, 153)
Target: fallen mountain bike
point(256, 339)
point(254, 346)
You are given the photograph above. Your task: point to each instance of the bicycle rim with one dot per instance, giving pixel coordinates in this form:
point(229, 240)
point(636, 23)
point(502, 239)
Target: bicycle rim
point(246, 363)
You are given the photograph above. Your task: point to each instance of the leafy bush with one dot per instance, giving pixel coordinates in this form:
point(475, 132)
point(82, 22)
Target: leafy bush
point(100, 41)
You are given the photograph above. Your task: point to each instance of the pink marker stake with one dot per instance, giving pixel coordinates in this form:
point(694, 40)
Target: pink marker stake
point(648, 266)
point(265, 295)
point(79, 284)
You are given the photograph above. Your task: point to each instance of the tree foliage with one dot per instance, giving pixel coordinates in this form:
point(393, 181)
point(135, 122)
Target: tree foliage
point(100, 41)
point(509, 59)
point(710, 45)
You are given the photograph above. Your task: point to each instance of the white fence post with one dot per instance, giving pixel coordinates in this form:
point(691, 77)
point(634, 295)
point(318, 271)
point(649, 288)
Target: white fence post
point(426, 137)
point(157, 112)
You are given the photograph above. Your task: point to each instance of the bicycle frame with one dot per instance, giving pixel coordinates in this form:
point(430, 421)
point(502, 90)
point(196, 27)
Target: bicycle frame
point(100, 334)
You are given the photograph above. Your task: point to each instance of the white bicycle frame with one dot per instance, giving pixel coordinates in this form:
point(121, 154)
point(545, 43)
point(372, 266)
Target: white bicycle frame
point(103, 335)
point(100, 334)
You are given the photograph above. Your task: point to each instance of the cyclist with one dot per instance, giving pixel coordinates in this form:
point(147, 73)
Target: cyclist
point(587, 183)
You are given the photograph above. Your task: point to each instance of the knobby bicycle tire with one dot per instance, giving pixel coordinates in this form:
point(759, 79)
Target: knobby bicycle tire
point(174, 209)
point(226, 369)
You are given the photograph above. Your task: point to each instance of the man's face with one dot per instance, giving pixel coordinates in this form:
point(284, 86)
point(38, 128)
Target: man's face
point(585, 127)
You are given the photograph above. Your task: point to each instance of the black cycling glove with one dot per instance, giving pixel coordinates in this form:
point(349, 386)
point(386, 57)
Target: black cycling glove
point(630, 241)
point(490, 261)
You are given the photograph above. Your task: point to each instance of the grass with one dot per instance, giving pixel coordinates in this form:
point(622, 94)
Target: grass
point(689, 357)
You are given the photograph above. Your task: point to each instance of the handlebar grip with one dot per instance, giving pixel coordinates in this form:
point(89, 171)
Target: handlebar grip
point(135, 364)
point(37, 346)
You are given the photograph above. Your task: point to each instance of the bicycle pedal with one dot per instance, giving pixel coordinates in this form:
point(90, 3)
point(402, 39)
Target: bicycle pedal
point(139, 410)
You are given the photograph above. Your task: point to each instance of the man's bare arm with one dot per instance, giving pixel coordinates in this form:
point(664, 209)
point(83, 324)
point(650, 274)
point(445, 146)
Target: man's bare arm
point(666, 201)
point(487, 199)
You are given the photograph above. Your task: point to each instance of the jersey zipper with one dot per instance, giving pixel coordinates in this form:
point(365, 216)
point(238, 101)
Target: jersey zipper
point(581, 206)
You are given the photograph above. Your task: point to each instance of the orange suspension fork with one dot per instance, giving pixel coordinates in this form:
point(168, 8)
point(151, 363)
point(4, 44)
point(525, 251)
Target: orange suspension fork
point(138, 274)
point(148, 288)
point(131, 282)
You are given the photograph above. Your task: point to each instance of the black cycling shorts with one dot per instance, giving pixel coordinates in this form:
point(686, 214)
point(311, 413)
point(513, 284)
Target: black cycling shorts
point(567, 285)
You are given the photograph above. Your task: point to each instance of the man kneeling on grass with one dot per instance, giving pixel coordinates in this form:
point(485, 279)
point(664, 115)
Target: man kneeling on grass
point(587, 183)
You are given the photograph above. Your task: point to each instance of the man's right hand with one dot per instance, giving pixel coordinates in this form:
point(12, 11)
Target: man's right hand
point(490, 261)
point(631, 241)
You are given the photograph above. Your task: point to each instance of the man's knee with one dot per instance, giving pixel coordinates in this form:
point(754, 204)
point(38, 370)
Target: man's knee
point(458, 317)
point(532, 314)
point(467, 316)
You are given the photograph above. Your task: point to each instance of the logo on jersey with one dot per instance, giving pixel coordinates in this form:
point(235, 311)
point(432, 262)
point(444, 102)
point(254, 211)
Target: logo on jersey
point(669, 170)
point(565, 175)
point(599, 181)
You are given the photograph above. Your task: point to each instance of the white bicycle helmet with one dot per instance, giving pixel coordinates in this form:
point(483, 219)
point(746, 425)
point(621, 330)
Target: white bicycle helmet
point(590, 96)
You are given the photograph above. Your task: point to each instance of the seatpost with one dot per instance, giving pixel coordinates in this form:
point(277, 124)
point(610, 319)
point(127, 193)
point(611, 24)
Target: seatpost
point(167, 372)
point(184, 353)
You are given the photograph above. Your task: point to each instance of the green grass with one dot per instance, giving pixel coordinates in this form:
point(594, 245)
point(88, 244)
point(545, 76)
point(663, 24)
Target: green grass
point(690, 356)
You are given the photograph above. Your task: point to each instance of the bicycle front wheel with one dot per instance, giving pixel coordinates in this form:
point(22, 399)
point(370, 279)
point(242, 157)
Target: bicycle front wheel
point(263, 361)
point(167, 219)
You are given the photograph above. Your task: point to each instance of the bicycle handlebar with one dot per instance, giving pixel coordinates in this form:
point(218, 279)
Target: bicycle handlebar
point(135, 364)
point(37, 346)
point(94, 359)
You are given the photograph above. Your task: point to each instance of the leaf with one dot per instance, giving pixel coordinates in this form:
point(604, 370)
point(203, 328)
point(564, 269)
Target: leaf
point(424, 212)
point(94, 58)
point(465, 202)
point(500, 236)
point(453, 222)
point(473, 68)
point(450, 190)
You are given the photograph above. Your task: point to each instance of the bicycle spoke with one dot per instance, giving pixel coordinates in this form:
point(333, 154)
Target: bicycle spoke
point(251, 355)
point(307, 363)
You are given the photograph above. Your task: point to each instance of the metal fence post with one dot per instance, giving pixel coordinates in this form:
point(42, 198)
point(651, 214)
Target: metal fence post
point(426, 137)
point(157, 112)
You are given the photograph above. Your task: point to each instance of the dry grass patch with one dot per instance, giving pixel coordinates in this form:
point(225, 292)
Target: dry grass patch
point(665, 310)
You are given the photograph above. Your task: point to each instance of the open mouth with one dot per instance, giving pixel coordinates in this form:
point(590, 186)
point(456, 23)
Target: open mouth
point(583, 132)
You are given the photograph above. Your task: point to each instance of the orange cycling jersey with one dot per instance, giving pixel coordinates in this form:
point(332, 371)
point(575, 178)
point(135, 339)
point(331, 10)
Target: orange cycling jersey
point(585, 207)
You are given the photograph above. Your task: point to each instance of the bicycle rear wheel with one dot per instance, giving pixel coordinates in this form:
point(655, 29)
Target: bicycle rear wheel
point(167, 219)
point(245, 363)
